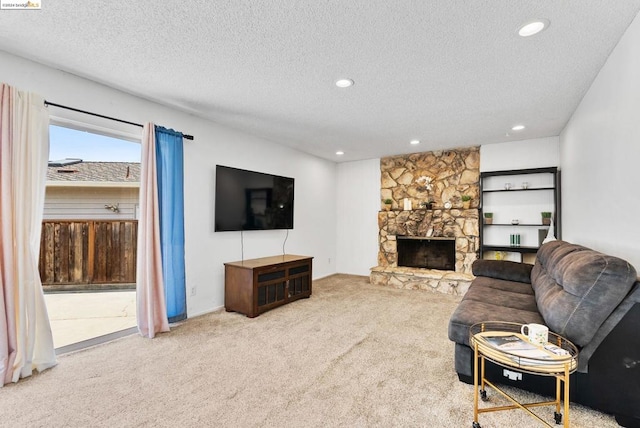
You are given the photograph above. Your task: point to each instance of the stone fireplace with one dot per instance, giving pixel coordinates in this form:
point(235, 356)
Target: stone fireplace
point(433, 184)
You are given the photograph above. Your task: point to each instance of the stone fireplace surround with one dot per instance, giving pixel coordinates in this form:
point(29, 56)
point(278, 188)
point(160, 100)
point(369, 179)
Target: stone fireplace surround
point(453, 173)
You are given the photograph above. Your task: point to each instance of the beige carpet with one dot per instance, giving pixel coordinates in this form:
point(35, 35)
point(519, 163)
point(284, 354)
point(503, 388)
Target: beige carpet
point(353, 355)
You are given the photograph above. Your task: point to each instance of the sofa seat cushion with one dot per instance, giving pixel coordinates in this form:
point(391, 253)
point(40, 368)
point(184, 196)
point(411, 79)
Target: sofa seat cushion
point(492, 300)
point(510, 286)
point(502, 298)
point(577, 288)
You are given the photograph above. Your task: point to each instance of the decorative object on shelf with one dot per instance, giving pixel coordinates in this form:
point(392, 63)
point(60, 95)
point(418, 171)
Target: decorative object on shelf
point(542, 234)
point(466, 201)
point(386, 204)
point(426, 205)
point(550, 234)
point(525, 185)
point(507, 186)
point(447, 205)
point(488, 218)
point(514, 240)
point(407, 204)
point(546, 217)
point(425, 183)
point(515, 222)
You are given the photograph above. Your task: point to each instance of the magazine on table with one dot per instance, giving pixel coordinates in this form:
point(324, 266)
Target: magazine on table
point(518, 347)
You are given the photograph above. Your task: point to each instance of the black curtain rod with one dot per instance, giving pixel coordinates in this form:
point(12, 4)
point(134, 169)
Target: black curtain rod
point(47, 103)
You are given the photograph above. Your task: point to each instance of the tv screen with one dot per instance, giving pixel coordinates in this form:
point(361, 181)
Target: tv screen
point(249, 200)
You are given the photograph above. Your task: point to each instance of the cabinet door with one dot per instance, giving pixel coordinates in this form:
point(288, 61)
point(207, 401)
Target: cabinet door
point(299, 280)
point(271, 288)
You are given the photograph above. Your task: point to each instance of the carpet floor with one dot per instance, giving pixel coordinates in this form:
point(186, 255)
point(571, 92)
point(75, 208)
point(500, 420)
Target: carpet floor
point(352, 355)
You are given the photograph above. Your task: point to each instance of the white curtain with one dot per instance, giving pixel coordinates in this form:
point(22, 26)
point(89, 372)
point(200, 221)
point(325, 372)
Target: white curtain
point(151, 305)
point(26, 342)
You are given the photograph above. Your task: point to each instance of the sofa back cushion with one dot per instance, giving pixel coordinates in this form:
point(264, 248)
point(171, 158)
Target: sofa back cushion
point(577, 288)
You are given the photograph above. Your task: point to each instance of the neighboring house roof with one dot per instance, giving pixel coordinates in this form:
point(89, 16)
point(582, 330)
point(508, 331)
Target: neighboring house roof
point(82, 173)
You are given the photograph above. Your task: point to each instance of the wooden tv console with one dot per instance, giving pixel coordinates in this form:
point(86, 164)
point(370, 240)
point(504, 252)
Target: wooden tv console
point(254, 286)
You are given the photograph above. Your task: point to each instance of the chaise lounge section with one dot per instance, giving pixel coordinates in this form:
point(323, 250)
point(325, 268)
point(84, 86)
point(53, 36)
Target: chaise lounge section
point(592, 299)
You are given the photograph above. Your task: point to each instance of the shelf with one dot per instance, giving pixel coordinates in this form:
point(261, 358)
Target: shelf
point(517, 225)
point(542, 194)
point(529, 189)
point(521, 249)
point(547, 170)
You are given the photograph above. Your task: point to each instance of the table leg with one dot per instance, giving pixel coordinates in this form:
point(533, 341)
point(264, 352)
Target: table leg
point(566, 395)
point(558, 393)
point(475, 384)
point(482, 365)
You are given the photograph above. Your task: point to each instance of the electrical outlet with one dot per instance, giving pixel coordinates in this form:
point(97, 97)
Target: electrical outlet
point(193, 291)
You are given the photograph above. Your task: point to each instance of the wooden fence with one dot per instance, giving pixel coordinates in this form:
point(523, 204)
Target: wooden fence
point(88, 252)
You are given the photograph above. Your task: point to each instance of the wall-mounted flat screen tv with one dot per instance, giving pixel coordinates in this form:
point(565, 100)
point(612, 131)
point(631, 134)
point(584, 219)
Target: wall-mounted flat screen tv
point(249, 200)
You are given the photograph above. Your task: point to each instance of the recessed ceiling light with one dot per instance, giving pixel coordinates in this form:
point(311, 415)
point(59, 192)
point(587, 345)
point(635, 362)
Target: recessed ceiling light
point(533, 27)
point(339, 153)
point(414, 142)
point(344, 83)
point(517, 128)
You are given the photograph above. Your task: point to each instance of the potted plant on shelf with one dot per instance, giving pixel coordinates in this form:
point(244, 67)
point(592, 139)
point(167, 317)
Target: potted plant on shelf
point(427, 205)
point(387, 203)
point(488, 218)
point(546, 217)
point(466, 201)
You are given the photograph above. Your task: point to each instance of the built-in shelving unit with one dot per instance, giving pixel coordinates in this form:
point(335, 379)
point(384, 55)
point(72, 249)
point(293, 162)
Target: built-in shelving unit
point(518, 196)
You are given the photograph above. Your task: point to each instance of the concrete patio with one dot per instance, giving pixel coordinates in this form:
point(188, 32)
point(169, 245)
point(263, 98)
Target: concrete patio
point(80, 316)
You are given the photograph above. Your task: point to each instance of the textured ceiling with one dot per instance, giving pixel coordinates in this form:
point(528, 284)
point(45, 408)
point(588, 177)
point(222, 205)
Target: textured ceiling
point(448, 72)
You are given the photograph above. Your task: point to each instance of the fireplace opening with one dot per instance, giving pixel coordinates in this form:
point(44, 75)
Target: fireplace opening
point(428, 253)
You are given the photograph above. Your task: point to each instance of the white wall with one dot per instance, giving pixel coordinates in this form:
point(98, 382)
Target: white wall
point(206, 251)
point(358, 203)
point(535, 153)
point(600, 151)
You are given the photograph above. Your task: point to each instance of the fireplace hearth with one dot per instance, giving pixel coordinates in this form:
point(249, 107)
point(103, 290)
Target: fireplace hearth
point(427, 253)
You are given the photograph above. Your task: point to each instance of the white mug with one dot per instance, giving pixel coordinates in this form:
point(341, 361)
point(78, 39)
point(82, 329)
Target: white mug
point(536, 333)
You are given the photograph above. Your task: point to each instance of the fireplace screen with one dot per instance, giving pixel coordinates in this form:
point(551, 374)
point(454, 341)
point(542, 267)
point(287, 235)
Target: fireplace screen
point(428, 253)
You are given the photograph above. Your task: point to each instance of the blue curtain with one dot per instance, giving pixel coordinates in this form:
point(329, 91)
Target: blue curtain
point(169, 164)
